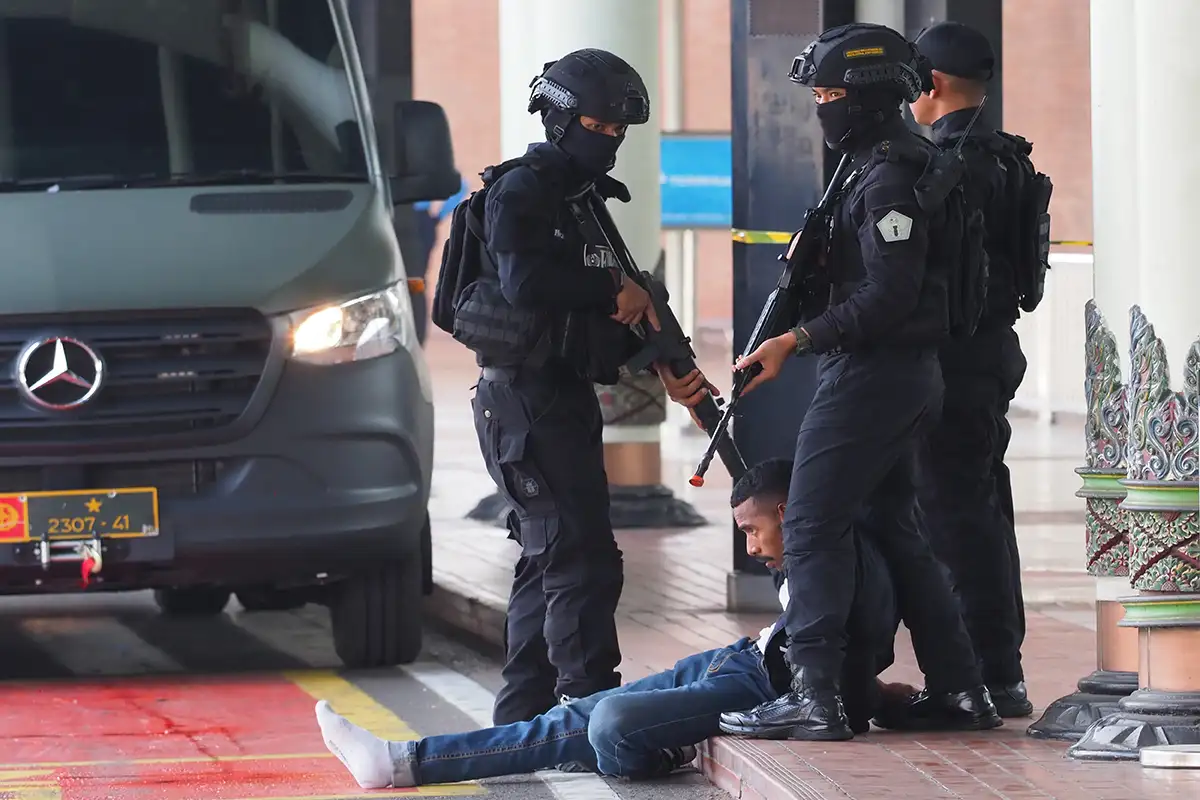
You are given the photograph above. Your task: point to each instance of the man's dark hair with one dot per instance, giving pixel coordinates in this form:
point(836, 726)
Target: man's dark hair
point(768, 479)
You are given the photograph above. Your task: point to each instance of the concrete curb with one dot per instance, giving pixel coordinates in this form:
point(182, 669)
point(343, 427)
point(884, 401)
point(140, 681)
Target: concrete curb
point(458, 607)
point(747, 770)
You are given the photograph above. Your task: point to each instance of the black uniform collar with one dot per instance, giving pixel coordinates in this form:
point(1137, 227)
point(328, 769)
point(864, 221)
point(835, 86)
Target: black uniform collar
point(953, 124)
point(553, 156)
point(890, 128)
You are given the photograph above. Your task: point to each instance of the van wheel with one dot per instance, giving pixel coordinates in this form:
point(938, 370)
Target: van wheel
point(376, 615)
point(192, 601)
point(266, 598)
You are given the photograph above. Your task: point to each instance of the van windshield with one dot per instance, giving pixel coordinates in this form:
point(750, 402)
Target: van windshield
point(145, 92)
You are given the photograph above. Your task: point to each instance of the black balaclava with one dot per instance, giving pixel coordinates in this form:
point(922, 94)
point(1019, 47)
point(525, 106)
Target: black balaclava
point(594, 153)
point(855, 118)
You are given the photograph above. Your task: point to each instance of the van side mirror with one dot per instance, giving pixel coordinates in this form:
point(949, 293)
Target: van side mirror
point(422, 156)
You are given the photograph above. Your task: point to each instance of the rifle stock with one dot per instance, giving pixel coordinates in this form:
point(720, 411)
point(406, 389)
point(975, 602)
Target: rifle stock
point(668, 345)
point(799, 284)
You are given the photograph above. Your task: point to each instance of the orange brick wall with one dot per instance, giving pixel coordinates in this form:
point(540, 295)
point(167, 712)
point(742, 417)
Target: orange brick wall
point(1046, 99)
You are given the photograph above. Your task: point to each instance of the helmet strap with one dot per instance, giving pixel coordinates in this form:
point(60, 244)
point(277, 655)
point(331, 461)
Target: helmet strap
point(555, 122)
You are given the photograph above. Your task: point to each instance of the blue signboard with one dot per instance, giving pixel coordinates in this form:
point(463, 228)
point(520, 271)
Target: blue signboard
point(697, 180)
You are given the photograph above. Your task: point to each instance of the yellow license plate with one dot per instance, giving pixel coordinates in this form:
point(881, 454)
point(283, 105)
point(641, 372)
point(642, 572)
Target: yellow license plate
point(108, 513)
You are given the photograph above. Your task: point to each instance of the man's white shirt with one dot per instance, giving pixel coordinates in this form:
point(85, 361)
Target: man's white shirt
point(769, 631)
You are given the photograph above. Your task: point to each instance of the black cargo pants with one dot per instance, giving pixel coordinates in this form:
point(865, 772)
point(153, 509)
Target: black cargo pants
point(855, 463)
point(540, 435)
point(966, 495)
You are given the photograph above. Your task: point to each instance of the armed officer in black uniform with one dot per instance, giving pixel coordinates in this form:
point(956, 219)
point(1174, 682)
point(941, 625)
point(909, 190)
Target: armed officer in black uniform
point(536, 411)
point(879, 387)
point(965, 491)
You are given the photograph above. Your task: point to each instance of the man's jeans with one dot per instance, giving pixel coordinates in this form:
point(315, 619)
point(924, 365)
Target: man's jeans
point(618, 732)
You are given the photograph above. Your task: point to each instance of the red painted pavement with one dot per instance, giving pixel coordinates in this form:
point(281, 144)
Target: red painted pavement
point(252, 721)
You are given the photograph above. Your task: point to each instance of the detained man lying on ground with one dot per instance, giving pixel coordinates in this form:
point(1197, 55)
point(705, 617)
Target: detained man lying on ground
point(648, 728)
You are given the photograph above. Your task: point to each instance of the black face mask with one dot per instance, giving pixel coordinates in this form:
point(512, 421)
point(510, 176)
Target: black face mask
point(837, 122)
point(595, 153)
point(862, 111)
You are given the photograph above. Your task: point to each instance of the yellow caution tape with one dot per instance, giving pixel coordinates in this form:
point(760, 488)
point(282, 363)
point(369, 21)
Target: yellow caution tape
point(743, 236)
point(761, 237)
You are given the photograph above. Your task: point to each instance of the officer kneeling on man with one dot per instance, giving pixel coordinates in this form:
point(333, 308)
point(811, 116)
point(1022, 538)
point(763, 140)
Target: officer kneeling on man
point(890, 262)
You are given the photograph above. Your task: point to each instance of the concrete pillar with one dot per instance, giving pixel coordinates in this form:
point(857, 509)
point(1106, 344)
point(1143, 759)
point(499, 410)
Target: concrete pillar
point(533, 32)
point(881, 12)
point(1161, 508)
point(1115, 211)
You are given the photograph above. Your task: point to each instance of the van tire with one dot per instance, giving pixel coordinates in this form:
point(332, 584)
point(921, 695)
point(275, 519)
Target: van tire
point(376, 615)
point(192, 601)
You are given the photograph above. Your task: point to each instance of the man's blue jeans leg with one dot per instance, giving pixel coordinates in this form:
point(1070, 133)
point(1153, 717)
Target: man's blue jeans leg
point(620, 731)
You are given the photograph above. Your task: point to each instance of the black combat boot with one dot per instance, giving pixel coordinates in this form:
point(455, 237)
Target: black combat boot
point(1011, 699)
point(812, 711)
point(971, 710)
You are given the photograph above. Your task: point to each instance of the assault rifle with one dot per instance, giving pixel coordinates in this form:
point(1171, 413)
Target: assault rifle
point(668, 345)
point(801, 282)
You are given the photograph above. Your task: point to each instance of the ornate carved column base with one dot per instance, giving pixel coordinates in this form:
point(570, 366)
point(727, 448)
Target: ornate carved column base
point(1120, 736)
point(629, 507)
point(1067, 718)
point(1110, 683)
point(1167, 711)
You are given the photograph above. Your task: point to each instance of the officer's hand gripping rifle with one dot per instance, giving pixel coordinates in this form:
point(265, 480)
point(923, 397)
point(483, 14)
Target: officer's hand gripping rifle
point(668, 345)
point(800, 282)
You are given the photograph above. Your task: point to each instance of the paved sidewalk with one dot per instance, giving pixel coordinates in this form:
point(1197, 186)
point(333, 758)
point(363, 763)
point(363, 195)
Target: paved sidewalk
point(673, 605)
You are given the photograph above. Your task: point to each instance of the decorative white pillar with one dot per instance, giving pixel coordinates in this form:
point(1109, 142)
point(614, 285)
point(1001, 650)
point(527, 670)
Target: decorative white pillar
point(881, 12)
point(1160, 512)
point(1115, 282)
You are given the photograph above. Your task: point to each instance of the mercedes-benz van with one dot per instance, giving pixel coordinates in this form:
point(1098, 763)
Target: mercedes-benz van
point(211, 382)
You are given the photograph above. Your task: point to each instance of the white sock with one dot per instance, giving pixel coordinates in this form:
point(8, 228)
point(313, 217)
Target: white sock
point(360, 751)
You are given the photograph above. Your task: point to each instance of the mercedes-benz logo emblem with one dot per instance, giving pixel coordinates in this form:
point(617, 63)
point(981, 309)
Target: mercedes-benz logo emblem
point(59, 373)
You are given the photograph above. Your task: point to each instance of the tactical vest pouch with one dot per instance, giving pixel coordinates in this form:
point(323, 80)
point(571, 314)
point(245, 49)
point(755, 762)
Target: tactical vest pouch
point(609, 346)
point(499, 333)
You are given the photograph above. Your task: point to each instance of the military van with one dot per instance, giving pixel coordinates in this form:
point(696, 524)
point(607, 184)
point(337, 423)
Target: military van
point(212, 382)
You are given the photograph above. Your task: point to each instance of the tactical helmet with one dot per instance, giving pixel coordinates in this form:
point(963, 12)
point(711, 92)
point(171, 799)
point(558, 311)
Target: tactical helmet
point(593, 83)
point(861, 55)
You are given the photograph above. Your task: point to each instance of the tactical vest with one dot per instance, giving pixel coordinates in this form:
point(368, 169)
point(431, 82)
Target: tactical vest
point(470, 304)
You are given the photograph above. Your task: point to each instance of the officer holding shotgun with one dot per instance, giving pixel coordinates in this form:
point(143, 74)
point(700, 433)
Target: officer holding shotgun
point(876, 329)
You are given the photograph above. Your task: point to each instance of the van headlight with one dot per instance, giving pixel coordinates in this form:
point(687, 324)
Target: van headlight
point(366, 327)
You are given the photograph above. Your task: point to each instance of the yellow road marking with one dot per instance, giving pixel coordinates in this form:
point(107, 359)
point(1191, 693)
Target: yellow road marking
point(19, 781)
point(20, 784)
point(352, 703)
point(52, 765)
point(363, 710)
